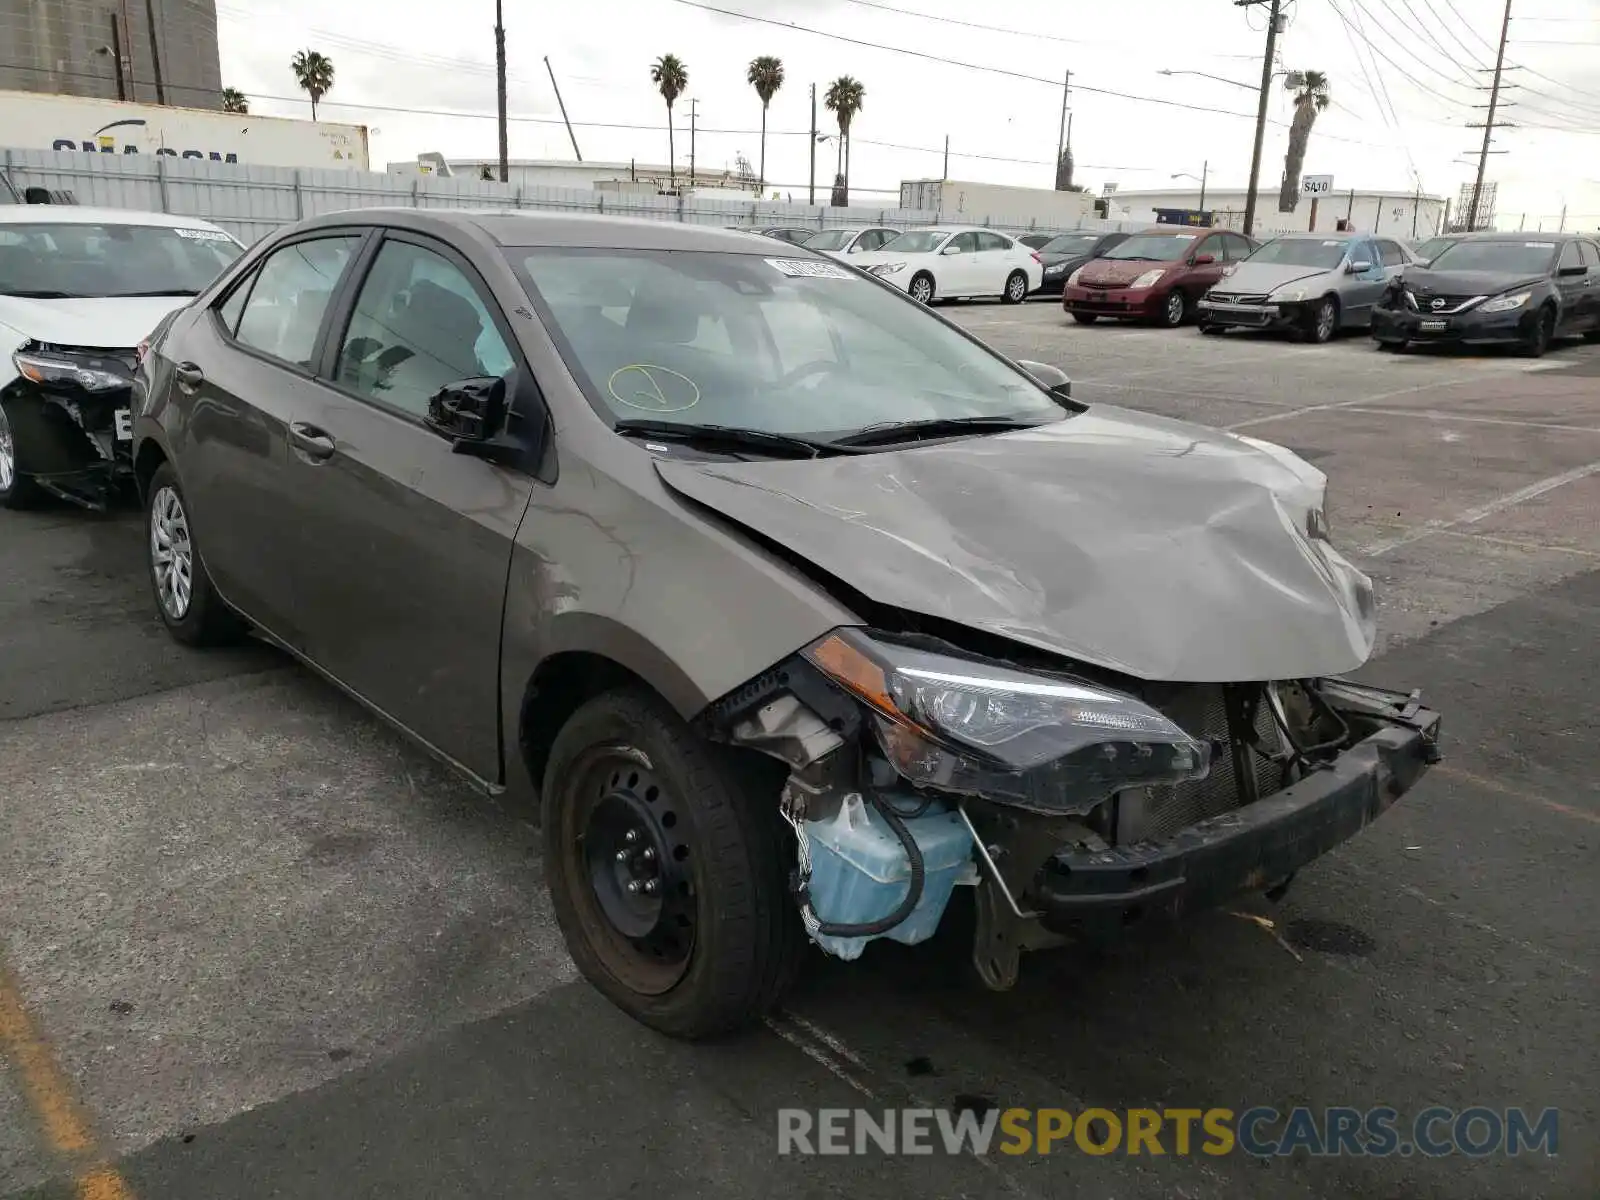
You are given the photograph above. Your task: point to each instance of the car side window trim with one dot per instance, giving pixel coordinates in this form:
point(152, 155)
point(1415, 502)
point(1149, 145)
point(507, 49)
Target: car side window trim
point(343, 309)
point(251, 276)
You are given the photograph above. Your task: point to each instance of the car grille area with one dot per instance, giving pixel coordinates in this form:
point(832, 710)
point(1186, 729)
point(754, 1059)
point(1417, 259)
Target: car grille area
point(1426, 301)
point(1237, 297)
point(1157, 813)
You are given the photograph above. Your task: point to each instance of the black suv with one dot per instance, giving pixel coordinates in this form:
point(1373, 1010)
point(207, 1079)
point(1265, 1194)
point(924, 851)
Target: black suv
point(1521, 289)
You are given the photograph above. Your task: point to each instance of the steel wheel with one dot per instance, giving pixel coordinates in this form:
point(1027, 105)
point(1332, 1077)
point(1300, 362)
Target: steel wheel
point(171, 553)
point(8, 454)
point(922, 289)
point(633, 848)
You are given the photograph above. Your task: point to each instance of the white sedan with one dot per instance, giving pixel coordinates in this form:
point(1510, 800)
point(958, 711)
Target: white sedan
point(944, 263)
point(836, 243)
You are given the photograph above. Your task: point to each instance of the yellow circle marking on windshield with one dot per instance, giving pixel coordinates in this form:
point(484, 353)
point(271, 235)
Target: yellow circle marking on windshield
point(648, 394)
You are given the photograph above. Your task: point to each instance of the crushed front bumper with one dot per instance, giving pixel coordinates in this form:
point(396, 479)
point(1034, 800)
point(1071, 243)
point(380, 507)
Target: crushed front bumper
point(77, 447)
point(1276, 315)
point(1103, 891)
point(1470, 328)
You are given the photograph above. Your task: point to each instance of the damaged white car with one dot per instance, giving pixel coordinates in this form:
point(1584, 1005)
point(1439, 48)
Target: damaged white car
point(80, 289)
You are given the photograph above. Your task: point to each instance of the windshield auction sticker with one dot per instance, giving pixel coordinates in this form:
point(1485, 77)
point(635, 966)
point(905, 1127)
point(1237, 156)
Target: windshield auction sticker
point(203, 235)
point(800, 268)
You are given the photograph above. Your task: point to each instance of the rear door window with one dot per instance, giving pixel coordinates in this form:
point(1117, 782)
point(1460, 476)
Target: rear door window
point(292, 290)
point(993, 241)
point(1393, 256)
point(1570, 256)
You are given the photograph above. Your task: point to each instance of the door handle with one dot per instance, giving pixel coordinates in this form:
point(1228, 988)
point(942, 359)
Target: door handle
point(311, 441)
point(189, 377)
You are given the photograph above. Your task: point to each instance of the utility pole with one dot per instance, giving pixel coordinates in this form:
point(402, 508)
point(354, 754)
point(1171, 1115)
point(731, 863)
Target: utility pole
point(692, 104)
point(155, 51)
point(946, 174)
point(1261, 107)
point(1061, 139)
point(811, 187)
point(500, 86)
point(1562, 228)
point(1488, 123)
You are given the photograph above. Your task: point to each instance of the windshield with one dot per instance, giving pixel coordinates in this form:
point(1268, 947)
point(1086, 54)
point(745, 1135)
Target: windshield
point(829, 239)
point(920, 241)
point(1154, 247)
point(1069, 243)
point(1432, 247)
point(73, 260)
point(790, 346)
point(1326, 253)
point(1511, 257)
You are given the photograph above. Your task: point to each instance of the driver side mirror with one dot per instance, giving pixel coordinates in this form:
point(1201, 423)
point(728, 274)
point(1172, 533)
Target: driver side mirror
point(471, 414)
point(1052, 379)
point(1573, 270)
point(952, 248)
point(1357, 268)
point(1203, 260)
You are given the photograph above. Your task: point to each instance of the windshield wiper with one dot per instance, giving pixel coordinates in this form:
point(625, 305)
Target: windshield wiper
point(43, 295)
point(887, 433)
point(730, 437)
point(161, 292)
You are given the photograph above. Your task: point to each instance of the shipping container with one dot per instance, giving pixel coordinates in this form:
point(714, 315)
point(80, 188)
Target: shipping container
point(998, 203)
point(38, 122)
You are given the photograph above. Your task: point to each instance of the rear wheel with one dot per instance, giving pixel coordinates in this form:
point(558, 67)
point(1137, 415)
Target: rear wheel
point(17, 489)
point(1016, 288)
point(1538, 339)
point(189, 605)
point(1085, 318)
point(665, 859)
point(921, 288)
point(1175, 309)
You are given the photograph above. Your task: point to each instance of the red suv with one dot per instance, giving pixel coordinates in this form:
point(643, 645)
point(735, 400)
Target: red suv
point(1156, 275)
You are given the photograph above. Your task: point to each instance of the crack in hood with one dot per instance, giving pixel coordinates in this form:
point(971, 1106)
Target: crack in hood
point(1162, 550)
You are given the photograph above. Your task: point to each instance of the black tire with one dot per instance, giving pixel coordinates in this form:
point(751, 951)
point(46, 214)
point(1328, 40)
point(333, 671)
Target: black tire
point(1016, 288)
point(1174, 309)
point(1544, 331)
point(19, 430)
point(921, 288)
point(1322, 321)
point(1085, 318)
point(746, 942)
point(1592, 336)
point(201, 619)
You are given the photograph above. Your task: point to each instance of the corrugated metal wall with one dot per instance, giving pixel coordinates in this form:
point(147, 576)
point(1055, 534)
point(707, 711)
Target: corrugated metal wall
point(251, 202)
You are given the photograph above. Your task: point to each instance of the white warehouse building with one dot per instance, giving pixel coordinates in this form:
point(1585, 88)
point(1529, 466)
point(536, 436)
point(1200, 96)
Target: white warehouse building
point(1402, 214)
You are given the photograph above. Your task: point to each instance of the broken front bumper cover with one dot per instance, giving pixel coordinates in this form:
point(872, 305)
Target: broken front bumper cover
point(1084, 892)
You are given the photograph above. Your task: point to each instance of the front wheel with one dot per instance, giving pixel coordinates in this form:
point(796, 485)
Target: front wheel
point(1323, 321)
point(17, 490)
point(1538, 339)
point(921, 289)
point(665, 859)
point(189, 605)
point(1016, 288)
point(1175, 309)
point(1085, 318)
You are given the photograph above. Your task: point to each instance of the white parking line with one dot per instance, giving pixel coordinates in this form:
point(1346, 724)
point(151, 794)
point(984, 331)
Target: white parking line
point(1438, 414)
point(1313, 408)
point(1483, 511)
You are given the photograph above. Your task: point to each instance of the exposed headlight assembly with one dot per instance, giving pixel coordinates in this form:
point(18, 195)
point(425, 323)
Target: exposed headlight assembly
point(1148, 279)
point(1049, 743)
point(1506, 303)
point(71, 369)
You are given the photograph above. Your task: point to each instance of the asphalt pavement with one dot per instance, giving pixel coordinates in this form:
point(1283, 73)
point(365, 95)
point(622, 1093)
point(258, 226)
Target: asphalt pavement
point(253, 944)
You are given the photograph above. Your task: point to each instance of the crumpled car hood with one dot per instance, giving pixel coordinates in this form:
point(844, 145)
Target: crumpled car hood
point(1159, 549)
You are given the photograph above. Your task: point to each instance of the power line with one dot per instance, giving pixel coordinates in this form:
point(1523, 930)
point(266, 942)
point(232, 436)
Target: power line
point(1449, 27)
point(1052, 83)
point(1404, 74)
point(906, 12)
point(1421, 30)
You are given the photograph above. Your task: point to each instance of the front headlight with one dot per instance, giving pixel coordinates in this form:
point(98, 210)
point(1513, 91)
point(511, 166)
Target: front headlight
point(64, 368)
point(1072, 280)
point(886, 268)
point(1506, 303)
point(1055, 268)
point(1287, 296)
point(1148, 279)
point(1051, 743)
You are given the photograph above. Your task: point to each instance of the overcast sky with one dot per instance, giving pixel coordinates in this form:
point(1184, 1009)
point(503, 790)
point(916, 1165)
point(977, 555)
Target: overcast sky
point(1392, 122)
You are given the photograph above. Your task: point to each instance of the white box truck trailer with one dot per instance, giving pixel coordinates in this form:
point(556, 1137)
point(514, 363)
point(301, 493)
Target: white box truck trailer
point(38, 122)
point(997, 203)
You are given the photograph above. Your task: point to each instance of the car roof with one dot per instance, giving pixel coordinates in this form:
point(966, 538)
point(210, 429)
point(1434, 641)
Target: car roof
point(1500, 236)
point(74, 214)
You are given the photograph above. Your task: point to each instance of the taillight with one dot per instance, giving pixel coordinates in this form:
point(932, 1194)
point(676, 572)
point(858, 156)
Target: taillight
point(1036, 258)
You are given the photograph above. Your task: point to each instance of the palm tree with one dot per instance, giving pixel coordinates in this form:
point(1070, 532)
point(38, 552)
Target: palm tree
point(233, 101)
point(671, 78)
point(1310, 97)
point(766, 76)
point(314, 73)
point(844, 98)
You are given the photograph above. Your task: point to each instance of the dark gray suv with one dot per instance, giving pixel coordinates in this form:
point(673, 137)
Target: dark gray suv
point(803, 611)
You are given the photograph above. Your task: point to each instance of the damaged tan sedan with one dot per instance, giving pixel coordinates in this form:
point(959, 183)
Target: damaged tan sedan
point(803, 611)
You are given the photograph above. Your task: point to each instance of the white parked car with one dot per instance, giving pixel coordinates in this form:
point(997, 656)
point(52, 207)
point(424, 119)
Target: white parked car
point(946, 262)
point(80, 290)
point(836, 243)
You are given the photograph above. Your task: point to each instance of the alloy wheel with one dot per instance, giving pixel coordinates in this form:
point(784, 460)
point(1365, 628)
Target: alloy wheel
point(171, 553)
point(1017, 288)
point(1175, 308)
point(921, 290)
point(8, 454)
point(1326, 316)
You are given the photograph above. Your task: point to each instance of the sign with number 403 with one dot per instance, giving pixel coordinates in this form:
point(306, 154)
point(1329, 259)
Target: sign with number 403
point(1316, 185)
